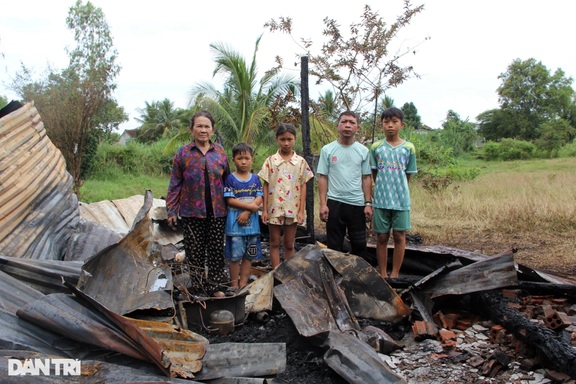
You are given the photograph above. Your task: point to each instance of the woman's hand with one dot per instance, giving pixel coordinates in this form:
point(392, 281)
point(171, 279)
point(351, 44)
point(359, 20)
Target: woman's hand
point(173, 222)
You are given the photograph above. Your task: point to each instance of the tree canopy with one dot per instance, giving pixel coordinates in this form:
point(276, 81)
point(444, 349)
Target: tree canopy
point(358, 65)
point(411, 116)
point(76, 103)
point(530, 96)
point(458, 134)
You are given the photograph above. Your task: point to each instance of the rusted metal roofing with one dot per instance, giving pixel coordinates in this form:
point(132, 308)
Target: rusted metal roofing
point(175, 351)
point(38, 210)
point(19, 334)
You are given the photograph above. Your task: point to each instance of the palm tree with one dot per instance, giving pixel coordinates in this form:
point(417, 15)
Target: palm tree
point(328, 105)
point(158, 119)
point(243, 108)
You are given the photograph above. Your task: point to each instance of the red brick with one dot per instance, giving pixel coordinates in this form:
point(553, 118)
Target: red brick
point(510, 293)
point(557, 320)
point(445, 320)
point(423, 330)
point(497, 334)
point(446, 335)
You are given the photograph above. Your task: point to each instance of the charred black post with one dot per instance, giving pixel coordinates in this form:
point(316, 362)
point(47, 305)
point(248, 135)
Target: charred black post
point(304, 103)
point(558, 354)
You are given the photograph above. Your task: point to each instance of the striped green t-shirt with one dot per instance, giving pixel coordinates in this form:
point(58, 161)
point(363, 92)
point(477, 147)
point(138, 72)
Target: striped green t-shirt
point(391, 165)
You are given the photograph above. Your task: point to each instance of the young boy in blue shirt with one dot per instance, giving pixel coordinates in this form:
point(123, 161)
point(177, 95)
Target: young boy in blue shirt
point(243, 194)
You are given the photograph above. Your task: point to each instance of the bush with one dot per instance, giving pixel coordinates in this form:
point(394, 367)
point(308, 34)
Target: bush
point(432, 153)
point(509, 149)
point(437, 180)
point(569, 150)
point(133, 159)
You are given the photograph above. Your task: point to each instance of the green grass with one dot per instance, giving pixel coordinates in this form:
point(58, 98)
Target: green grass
point(121, 186)
point(558, 164)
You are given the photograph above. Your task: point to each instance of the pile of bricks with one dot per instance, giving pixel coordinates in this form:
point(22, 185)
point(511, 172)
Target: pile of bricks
point(492, 345)
point(554, 313)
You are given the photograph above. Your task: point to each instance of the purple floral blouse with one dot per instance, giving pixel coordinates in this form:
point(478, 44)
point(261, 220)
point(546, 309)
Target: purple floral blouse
point(186, 192)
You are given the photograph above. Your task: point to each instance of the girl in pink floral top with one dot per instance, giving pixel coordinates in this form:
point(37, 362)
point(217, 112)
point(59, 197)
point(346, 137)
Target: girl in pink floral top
point(285, 175)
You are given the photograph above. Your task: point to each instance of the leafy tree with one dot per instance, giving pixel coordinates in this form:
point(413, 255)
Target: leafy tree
point(109, 119)
point(359, 68)
point(458, 134)
point(552, 135)
point(387, 102)
point(76, 103)
point(496, 124)
point(531, 95)
point(247, 106)
point(323, 121)
point(411, 116)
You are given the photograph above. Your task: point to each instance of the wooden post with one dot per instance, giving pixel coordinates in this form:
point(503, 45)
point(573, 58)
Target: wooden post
point(304, 100)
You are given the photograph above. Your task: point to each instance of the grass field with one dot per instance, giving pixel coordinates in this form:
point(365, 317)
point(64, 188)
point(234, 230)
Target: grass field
point(123, 186)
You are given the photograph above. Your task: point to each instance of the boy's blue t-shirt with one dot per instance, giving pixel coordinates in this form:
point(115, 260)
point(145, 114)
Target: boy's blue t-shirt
point(246, 191)
point(392, 164)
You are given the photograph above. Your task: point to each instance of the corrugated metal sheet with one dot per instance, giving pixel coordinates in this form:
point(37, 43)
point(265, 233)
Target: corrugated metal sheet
point(19, 334)
point(38, 211)
point(175, 351)
point(119, 215)
point(320, 299)
point(44, 275)
point(130, 274)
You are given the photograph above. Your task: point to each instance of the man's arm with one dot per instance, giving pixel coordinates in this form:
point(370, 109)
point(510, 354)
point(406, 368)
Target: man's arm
point(323, 196)
point(367, 187)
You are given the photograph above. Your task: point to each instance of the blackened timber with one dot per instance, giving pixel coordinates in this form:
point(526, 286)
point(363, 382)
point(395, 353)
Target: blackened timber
point(557, 353)
point(304, 102)
point(548, 288)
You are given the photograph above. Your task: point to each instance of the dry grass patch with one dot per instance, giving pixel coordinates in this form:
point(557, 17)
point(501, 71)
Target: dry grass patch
point(534, 211)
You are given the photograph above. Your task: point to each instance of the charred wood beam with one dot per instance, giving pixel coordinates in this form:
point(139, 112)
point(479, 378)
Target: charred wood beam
point(548, 288)
point(558, 354)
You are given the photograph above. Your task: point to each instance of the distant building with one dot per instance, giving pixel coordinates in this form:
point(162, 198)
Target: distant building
point(424, 129)
point(127, 135)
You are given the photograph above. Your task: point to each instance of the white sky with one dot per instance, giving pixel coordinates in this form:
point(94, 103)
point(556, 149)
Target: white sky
point(164, 46)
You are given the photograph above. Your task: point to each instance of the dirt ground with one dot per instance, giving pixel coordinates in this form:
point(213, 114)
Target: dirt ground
point(552, 252)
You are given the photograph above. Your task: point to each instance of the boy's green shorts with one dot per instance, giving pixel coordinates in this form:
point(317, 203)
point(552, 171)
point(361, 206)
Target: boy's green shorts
point(387, 219)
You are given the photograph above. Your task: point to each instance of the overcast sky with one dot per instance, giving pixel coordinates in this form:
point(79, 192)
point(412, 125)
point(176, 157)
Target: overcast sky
point(164, 46)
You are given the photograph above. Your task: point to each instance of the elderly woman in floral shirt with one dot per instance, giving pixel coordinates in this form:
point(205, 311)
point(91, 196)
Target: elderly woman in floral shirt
point(196, 197)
